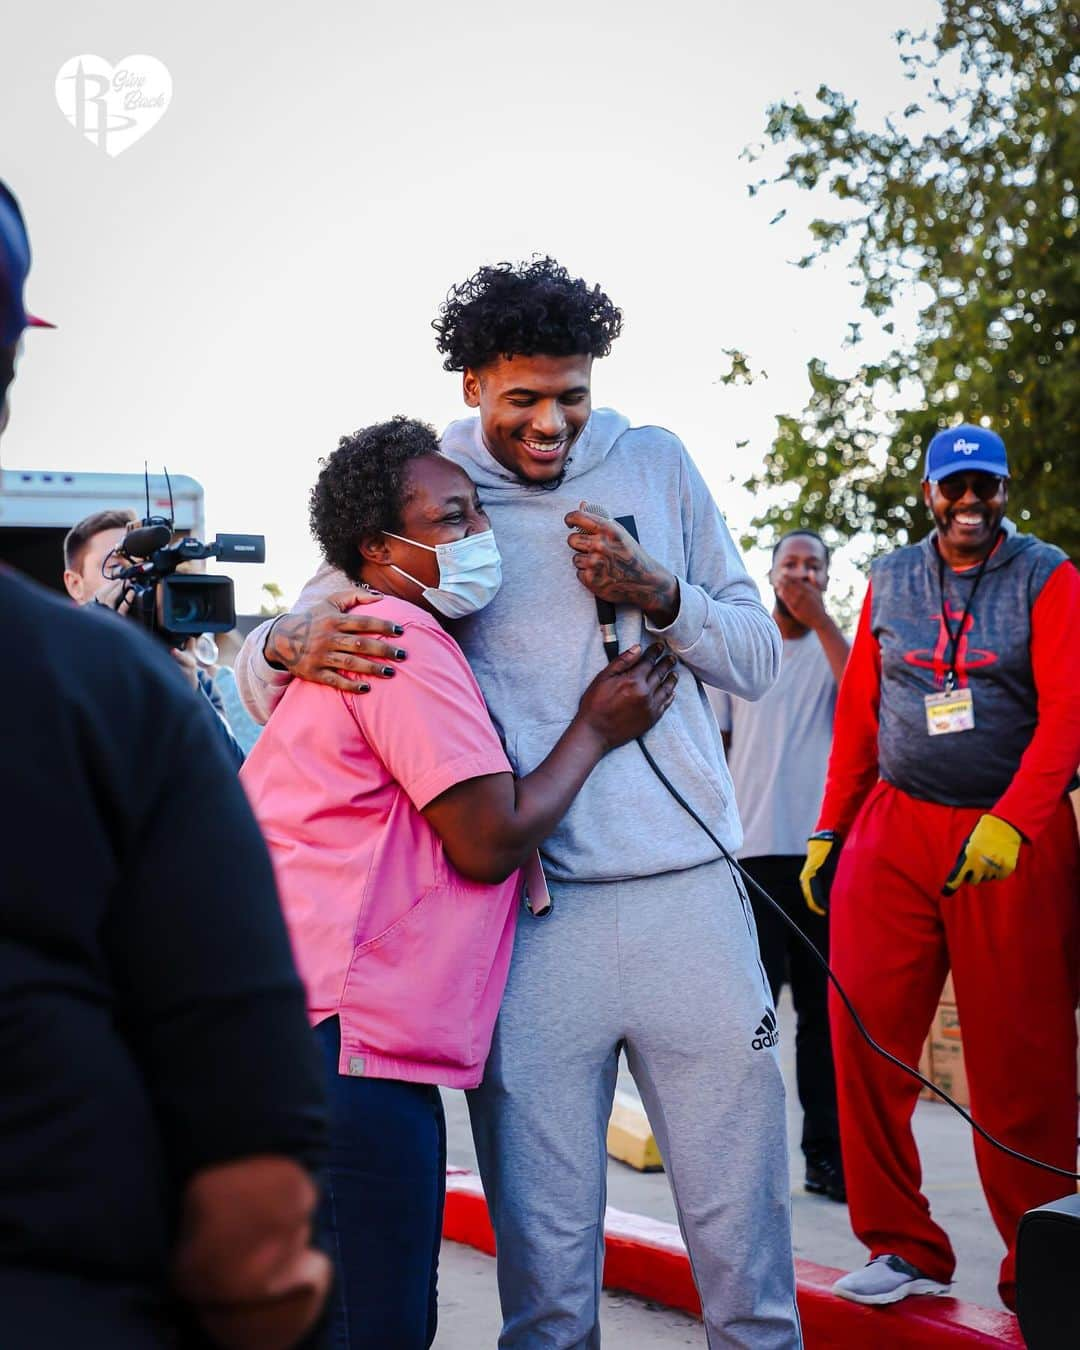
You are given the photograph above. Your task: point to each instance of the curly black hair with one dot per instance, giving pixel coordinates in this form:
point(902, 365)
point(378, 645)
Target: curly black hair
point(361, 487)
point(524, 309)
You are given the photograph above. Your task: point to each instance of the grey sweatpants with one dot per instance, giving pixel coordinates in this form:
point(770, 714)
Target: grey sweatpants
point(668, 968)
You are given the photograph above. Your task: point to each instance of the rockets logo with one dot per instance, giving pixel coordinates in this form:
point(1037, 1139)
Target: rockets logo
point(113, 106)
point(967, 658)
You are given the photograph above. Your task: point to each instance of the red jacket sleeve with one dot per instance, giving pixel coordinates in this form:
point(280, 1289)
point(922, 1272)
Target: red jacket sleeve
point(1050, 760)
point(853, 763)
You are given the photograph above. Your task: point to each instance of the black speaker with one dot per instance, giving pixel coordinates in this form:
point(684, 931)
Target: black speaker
point(1047, 1272)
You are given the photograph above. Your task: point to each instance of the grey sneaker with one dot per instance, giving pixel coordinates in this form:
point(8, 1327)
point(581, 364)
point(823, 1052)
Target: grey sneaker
point(886, 1279)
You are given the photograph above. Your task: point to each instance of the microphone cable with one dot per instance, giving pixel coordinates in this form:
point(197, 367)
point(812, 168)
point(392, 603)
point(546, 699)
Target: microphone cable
point(733, 867)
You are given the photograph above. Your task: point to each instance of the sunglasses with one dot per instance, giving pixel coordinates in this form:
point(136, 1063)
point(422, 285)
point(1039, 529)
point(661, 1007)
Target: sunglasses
point(985, 486)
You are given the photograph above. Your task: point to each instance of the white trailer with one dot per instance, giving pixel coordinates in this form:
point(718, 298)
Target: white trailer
point(39, 506)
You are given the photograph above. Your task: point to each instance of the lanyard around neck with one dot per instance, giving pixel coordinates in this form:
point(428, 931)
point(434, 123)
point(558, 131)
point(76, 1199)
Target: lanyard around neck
point(954, 638)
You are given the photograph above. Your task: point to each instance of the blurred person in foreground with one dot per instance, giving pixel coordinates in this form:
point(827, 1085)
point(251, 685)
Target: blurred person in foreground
point(88, 548)
point(778, 750)
point(160, 1106)
point(957, 736)
point(650, 947)
point(399, 835)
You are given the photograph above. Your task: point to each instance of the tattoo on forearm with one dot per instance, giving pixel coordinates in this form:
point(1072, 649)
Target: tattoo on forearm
point(630, 578)
point(626, 575)
point(289, 640)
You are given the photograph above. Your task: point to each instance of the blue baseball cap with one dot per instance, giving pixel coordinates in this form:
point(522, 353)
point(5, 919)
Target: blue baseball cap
point(14, 265)
point(965, 448)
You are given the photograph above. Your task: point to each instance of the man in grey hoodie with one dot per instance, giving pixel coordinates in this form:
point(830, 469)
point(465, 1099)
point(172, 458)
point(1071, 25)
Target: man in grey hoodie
point(650, 945)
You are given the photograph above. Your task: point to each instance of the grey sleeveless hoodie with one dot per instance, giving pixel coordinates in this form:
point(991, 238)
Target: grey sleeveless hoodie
point(973, 768)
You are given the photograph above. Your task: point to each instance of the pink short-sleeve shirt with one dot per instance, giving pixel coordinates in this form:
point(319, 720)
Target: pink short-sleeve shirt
point(409, 954)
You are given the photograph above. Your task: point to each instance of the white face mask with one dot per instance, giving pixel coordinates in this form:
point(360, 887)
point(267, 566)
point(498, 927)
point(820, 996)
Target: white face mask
point(470, 573)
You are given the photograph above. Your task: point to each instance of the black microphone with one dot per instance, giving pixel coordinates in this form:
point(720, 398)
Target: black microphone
point(141, 543)
point(605, 610)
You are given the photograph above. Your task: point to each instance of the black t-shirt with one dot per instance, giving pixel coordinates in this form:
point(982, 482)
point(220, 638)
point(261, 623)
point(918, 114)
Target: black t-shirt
point(151, 1019)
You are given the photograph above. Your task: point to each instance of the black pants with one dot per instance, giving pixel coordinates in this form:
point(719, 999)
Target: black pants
point(786, 960)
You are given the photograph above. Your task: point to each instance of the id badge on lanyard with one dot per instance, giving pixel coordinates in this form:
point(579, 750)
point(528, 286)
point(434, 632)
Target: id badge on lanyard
point(953, 709)
point(948, 712)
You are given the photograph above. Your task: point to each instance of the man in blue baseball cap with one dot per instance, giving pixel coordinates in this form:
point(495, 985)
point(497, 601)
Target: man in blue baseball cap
point(14, 265)
point(957, 736)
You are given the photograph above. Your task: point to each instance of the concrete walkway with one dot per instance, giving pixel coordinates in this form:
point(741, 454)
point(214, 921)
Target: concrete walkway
point(469, 1298)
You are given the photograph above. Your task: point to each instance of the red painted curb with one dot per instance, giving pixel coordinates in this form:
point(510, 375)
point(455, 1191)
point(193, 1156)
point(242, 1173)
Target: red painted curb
point(648, 1258)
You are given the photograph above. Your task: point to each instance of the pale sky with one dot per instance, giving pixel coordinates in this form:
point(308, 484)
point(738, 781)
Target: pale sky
point(258, 274)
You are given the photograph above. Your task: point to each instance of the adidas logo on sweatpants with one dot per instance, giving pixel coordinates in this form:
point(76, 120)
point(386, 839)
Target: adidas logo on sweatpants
point(767, 1034)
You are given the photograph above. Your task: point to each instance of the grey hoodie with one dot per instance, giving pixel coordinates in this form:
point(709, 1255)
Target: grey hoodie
point(536, 647)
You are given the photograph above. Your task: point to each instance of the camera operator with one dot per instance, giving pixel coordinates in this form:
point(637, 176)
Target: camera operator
point(88, 546)
point(160, 1104)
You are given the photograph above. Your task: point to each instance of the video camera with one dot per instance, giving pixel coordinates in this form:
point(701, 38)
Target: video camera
point(177, 605)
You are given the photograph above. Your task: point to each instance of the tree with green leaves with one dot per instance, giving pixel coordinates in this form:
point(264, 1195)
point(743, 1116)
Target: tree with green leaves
point(966, 202)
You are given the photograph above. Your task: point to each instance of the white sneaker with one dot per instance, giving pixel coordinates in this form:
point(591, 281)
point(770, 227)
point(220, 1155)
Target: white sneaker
point(886, 1279)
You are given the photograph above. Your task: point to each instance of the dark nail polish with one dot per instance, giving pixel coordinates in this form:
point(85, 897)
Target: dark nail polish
point(365, 688)
point(400, 653)
point(387, 670)
point(398, 630)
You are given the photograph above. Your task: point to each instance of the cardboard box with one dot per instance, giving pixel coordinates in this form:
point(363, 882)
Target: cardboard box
point(949, 1072)
point(926, 1068)
point(947, 1054)
point(946, 1023)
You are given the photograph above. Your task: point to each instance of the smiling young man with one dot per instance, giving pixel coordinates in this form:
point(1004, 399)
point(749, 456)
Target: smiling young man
point(649, 946)
point(957, 735)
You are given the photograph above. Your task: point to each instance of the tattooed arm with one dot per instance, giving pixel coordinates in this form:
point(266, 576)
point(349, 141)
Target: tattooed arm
point(333, 643)
point(614, 566)
point(699, 601)
point(318, 640)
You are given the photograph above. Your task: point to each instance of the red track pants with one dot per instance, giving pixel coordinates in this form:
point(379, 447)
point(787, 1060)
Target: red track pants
point(1014, 950)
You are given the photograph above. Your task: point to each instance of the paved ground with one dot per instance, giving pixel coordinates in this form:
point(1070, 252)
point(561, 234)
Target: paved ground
point(469, 1299)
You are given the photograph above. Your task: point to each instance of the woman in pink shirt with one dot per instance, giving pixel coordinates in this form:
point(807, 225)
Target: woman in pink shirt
point(402, 845)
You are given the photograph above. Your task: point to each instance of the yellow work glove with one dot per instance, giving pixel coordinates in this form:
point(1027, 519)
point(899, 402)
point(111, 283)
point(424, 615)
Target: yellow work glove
point(990, 853)
point(822, 854)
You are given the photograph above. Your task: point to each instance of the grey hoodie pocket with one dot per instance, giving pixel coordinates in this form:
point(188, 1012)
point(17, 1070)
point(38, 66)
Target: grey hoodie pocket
point(709, 774)
point(528, 746)
point(624, 823)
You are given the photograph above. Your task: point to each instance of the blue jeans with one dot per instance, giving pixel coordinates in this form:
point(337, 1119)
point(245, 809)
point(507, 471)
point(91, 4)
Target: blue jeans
point(382, 1208)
